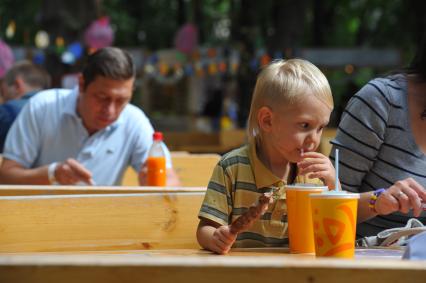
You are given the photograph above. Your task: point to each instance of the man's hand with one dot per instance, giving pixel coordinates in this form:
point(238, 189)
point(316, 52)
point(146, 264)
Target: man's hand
point(72, 172)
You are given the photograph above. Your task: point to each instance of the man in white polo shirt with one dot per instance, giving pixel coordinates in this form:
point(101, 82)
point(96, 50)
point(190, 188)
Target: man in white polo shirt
point(86, 135)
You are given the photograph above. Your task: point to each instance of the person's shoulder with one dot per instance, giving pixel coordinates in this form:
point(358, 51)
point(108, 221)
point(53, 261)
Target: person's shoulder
point(387, 86)
point(13, 103)
point(135, 120)
point(132, 111)
point(238, 156)
point(49, 96)
point(4, 113)
point(10, 109)
point(384, 90)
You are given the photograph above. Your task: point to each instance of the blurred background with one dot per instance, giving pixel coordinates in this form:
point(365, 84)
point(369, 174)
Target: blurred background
point(197, 61)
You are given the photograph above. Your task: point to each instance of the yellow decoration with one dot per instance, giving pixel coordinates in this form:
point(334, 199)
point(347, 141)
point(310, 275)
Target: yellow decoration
point(349, 69)
point(199, 69)
point(41, 39)
point(226, 123)
point(265, 60)
point(234, 67)
point(163, 68)
point(60, 42)
point(212, 69)
point(11, 28)
point(222, 67)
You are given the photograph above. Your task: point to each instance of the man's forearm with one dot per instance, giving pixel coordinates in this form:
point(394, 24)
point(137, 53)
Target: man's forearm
point(23, 176)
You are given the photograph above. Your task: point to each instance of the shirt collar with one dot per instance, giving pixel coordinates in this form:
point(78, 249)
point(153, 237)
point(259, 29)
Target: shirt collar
point(262, 175)
point(70, 106)
point(70, 109)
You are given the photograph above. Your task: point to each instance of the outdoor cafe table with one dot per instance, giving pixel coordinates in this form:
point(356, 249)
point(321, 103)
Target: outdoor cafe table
point(194, 265)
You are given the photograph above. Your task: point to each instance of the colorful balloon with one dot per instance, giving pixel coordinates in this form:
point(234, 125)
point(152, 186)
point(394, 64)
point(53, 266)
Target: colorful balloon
point(99, 34)
point(186, 38)
point(42, 39)
point(6, 58)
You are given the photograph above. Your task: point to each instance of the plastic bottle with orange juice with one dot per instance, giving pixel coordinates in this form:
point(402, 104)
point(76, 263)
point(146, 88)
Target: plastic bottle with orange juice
point(156, 162)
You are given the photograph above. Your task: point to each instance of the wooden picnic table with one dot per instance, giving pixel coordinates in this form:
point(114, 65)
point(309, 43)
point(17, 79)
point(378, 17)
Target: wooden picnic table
point(194, 265)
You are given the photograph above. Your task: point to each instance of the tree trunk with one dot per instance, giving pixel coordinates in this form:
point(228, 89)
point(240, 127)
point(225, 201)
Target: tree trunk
point(289, 19)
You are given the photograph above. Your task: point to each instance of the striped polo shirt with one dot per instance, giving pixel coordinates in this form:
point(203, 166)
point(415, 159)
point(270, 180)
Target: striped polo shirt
point(377, 146)
point(238, 180)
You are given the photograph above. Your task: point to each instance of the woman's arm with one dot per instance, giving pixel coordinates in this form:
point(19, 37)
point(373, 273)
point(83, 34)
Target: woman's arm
point(359, 138)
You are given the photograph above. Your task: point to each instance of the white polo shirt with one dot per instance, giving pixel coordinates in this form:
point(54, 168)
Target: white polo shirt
point(48, 129)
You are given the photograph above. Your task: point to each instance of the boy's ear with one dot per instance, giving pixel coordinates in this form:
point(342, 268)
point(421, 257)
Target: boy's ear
point(264, 118)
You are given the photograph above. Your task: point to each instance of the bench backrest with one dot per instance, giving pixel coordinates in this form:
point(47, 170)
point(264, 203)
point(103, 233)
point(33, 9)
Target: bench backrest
point(194, 170)
point(99, 222)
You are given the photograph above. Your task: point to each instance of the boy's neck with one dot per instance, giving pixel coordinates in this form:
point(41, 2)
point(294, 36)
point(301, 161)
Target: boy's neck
point(277, 164)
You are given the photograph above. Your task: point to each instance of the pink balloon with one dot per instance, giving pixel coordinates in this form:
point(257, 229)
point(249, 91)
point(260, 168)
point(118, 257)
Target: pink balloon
point(186, 38)
point(6, 58)
point(99, 34)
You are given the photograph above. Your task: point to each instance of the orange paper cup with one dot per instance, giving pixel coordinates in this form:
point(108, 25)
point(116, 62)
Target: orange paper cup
point(334, 223)
point(299, 217)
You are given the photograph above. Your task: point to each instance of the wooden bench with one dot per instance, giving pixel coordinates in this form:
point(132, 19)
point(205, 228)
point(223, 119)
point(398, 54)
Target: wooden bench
point(33, 190)
point(154, 220)
point(194, 170)
point(198, 142)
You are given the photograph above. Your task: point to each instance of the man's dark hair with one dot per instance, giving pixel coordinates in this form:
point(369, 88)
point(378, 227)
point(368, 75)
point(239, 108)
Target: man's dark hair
point(33, 75)
point(110, 62)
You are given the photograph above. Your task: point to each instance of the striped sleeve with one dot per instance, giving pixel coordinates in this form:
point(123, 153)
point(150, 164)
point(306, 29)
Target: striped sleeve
point(361, 133)
point(217, 204)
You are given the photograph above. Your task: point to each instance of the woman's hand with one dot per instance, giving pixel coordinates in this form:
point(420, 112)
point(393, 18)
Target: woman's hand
point(402, 196)
point(317, 165)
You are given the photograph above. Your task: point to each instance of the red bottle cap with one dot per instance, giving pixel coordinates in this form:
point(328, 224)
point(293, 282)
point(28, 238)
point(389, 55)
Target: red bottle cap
point(158, 136)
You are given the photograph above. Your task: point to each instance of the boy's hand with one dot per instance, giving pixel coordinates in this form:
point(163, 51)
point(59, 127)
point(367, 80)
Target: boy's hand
point(317, 165)
point(222, 240)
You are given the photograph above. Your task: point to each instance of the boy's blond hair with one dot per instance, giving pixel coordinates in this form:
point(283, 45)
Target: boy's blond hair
point(285, 82)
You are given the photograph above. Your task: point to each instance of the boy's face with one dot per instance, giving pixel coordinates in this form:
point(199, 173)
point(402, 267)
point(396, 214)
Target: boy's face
point(296, 128)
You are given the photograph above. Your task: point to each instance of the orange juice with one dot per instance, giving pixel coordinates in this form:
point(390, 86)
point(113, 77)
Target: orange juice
point(301, 235)
point(334, 222)
point(156, 171)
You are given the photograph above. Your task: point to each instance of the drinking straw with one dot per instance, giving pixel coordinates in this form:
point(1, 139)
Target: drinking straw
point(336, 166)
point(304, 176)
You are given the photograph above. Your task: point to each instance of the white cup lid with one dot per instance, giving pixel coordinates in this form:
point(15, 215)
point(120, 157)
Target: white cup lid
point(306, 187)
point(335, 194)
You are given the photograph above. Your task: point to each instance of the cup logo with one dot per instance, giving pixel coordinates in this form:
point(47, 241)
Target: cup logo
point(333, 239)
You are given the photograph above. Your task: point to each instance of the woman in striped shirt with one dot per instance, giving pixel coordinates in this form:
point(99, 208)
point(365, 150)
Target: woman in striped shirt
point(382, 141)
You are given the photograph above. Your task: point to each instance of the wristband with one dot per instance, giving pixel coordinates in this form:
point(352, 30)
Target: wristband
point(51, 172)
point(373, 199)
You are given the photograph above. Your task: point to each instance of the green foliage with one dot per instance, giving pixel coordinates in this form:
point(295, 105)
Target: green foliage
point(24, 13)
point(148, 23)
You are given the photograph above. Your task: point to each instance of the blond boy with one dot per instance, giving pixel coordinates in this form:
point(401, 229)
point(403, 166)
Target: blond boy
point(291, 105)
